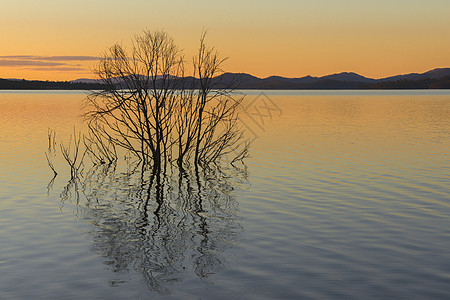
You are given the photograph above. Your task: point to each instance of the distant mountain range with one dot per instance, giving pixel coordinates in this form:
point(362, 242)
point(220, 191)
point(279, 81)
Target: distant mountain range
point(434, 79)
point(437, 78)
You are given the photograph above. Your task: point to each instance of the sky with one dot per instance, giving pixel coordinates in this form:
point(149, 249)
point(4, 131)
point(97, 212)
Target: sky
point(61, 40)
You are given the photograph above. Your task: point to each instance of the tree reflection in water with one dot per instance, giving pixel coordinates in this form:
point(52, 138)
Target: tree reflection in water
point(164, 226)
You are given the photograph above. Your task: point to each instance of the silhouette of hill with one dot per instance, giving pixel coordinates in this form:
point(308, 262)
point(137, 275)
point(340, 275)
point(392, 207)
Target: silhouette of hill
point(14, 84)
point(345, 80)
point(434, 74)
point(85, 80)
point(433, 79)
point(346, 76)
point(424, 83)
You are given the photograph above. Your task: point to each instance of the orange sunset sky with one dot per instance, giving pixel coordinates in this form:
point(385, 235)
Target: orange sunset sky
point(60, 40)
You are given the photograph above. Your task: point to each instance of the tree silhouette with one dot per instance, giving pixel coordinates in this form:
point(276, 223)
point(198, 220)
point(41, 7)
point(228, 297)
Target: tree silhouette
point(150, 108)
point(167, 208)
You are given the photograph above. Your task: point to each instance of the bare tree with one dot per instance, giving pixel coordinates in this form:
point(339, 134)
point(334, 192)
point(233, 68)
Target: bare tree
point(99, 146)
point(152, 109)
point(138, 101)
point(73, 154)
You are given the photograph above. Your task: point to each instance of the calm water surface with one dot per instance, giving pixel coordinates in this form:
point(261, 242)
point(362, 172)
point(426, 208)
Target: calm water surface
point(346, 195)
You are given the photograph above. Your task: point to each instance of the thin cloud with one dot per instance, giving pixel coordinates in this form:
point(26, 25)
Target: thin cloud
point(57, 69)
point(75, 58)
point(47, 63)
point(50, 58)
point(26, 63)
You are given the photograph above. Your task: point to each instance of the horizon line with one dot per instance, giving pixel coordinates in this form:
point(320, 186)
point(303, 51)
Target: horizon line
point(331, 74)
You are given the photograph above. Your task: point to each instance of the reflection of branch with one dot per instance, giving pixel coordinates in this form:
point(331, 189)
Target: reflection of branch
point(51, 134)
point(50, 185)
point(50, 164)
point(67, 195)
point(193, 221)
point(242, 154)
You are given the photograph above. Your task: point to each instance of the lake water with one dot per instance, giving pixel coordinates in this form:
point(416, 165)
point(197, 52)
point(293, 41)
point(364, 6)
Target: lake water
point(346, 195)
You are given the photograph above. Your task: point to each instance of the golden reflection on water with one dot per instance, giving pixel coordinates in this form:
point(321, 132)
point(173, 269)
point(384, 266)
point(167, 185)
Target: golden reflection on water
point(25, 114)
point(356, 151)
point(25, 118)
point(338, 116)
point(359, 122)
